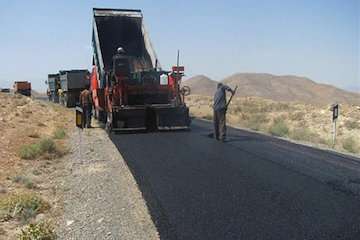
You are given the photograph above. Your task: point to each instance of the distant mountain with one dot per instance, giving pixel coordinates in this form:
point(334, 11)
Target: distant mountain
point(278, 88)
point(201, 85)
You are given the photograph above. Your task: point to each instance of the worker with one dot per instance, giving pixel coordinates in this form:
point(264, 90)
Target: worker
point(48, 93)
point(120, 64)
point(86, 104)
point(120, 51)
point(220, 108)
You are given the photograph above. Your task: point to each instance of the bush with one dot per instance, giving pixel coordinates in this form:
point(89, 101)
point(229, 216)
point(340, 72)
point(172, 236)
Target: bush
point(304, 134)
point(350, 145)
point(29, 151)
point(256, 121)
point(39, 231)
point(252, 106)
point(279, 128)
point(297, 116)
point(352, 125)
point(47, 146)
point(59, 133)
point(21, 206)
point(32, 151)
point(27, 182)
point(279, 107)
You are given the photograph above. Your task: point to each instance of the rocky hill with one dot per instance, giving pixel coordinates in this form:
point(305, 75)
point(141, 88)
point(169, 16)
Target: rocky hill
point(278, 88)
point(201, 85)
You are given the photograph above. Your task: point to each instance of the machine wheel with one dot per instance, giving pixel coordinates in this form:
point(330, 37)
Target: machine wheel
point(96, 114)
point(109, 124)
point(64, 100)
point(151, 120)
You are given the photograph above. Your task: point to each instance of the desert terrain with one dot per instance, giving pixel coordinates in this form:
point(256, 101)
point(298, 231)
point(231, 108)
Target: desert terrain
point(57, 181)
point(33, 146)
point(301, 122)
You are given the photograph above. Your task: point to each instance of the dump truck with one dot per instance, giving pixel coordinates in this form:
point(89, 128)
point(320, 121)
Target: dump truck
point(72, 82)
point(22, 87)
point(53, 83)
point(130, 89)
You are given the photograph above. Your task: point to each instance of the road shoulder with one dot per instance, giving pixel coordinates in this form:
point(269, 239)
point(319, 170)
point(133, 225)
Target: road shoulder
point(102, 198)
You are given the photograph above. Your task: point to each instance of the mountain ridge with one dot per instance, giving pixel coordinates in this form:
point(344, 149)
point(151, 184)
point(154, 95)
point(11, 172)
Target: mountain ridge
point(288, 88)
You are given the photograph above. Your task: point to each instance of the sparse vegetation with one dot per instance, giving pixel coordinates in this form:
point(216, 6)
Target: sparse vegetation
point(21, 206)
point(59, 133)
point(350, 145)
point(352, 124)
point(44, 146)
point(47, 146)
point(304, 134)
point(279, 107)
point(39, 231)
point(296, 116)
point(256, 121)
point(304, 122)
point(27, 182)
point(279, 128)
point(30, 151)
point(34, 131)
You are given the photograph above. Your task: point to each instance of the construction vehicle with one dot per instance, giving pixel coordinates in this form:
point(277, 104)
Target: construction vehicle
point(72, 82)
point(5, 90)
point(53, 83)
point(130, 90)
point(22, 87)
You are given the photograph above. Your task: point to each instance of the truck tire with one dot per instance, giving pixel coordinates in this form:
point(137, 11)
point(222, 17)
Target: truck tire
point(109, 124)
point(64, 100)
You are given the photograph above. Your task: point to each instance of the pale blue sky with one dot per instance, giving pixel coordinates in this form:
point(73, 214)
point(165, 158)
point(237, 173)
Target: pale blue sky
point(319, 39)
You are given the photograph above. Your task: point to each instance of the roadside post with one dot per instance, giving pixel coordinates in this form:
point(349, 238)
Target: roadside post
point(335, 113)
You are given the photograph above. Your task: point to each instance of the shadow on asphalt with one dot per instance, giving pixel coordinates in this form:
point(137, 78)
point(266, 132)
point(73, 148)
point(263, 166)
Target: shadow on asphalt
point(238, 138)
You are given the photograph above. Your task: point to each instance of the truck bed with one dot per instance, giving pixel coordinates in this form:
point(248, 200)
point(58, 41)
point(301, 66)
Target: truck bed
point(113, 28)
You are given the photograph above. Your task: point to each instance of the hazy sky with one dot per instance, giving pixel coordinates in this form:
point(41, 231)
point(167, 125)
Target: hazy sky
point(319, 39)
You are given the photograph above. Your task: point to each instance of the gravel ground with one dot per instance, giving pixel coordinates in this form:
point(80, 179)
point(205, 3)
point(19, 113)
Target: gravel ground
point(102, 199)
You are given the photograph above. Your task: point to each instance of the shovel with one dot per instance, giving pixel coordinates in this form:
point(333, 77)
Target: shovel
point(232, 95)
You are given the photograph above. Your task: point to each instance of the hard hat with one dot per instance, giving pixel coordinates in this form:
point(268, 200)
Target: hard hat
point(120, 50)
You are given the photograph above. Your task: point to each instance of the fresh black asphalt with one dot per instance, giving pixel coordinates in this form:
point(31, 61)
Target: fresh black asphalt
point(251, 187)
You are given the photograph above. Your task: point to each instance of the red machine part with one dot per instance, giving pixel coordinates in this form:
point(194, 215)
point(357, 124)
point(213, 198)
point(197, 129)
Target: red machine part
point(175, 80)
point(94, 86)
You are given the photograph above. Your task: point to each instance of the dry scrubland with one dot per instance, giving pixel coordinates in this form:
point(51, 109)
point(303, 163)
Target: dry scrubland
point(300, 122)
point(33, 143)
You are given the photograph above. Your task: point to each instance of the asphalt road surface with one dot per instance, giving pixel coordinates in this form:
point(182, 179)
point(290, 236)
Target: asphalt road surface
point(251, 187)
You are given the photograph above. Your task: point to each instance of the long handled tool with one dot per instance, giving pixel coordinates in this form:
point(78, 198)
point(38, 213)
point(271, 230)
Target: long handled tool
point(227, 104)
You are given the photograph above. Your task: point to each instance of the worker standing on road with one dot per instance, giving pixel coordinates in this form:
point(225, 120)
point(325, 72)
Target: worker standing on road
point(86, 104)
point(220, 106)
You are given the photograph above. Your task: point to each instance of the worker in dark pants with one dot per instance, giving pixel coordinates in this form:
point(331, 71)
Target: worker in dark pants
point(220, 111)
point(86, 104)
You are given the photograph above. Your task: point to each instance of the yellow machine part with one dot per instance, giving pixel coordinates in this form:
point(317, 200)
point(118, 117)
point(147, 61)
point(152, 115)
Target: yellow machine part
point(79, 117)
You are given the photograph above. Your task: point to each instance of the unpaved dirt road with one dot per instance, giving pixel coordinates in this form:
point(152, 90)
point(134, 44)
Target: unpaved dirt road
point(251, 187)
